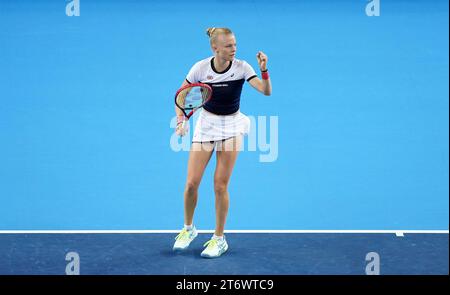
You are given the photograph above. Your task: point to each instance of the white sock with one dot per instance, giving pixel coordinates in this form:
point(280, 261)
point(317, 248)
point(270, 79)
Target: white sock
point(188, 227)
point(219, 238)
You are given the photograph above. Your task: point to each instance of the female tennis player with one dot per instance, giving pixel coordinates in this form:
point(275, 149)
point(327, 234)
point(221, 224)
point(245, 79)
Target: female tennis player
point(220, 126)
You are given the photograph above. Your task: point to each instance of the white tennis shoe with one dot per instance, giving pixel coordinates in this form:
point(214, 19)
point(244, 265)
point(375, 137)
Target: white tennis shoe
point(184, 238)
point(215, 248)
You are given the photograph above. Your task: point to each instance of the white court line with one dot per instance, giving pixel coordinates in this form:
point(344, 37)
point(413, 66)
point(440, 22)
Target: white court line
point(396, 232)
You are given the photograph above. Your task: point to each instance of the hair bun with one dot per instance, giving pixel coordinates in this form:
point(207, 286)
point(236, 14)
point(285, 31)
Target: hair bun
point(210, 31)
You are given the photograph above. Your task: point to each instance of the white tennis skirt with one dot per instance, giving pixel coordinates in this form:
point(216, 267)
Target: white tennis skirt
point(212, 127)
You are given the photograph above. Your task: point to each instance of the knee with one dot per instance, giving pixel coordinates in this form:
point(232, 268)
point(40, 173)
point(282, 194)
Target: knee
point(220, 187)
point(191, 186)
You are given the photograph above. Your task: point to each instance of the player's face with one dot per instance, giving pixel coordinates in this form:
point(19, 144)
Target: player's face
point(225, 47)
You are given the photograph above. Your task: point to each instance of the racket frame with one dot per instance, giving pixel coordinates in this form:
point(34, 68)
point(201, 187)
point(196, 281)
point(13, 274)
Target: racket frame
point(188, 115)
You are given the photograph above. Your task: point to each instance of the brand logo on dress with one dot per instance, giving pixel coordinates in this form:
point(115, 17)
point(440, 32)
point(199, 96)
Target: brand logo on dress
point(209, 77)
point(232, 75)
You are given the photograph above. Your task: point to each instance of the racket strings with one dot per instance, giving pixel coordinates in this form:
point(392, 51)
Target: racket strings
point(192, 97)
point(181, 97)
point(205, 93)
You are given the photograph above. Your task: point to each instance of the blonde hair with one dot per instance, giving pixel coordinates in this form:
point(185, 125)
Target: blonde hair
point(214, 32)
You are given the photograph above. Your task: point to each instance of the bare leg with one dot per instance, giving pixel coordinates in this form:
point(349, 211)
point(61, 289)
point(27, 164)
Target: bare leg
point(199, 157)
point(227, 154)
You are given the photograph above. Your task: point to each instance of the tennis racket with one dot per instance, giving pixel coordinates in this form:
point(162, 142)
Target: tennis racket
point(191, 97)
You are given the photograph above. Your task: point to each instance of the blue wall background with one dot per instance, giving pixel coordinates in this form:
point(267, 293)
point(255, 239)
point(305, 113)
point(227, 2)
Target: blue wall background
point(362, 107)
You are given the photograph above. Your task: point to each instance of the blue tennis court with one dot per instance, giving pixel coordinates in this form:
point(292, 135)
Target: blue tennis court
point(249, 254)
point(350, 148)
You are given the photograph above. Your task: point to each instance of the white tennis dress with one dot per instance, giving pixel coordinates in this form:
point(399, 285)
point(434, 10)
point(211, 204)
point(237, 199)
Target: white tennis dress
point(220, 117)
point(212, 127)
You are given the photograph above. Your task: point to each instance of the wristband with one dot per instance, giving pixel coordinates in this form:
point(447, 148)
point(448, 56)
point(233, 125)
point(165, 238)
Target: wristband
point(265, 75)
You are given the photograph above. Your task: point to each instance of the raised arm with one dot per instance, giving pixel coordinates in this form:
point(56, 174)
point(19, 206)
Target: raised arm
point(264, 86)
